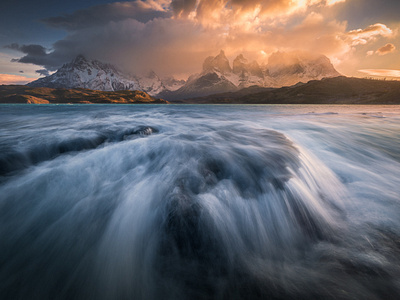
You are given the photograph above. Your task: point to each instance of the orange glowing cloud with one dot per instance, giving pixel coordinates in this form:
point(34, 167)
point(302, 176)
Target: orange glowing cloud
point(388, 48)
point(363, 36)
point(333, 2)
point(216, 13)
point(14, 79)
point(175, 36)
point(381, 72)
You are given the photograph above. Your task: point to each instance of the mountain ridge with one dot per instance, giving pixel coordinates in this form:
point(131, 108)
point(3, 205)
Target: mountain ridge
point(96, 75)
point(335, 90)
point(217, 75)
point(283, 69)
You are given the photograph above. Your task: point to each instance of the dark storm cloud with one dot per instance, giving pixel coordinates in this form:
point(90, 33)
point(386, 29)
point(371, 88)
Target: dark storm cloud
point(37, 55)
point(183, 7)
point(112, 12)
point(34, 50)
point(163, 44)
point(43, 72)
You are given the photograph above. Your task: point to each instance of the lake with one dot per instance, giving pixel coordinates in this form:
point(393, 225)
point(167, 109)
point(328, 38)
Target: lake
point(199, 202)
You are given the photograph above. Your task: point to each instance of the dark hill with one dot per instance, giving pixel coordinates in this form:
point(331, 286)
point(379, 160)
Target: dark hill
point(338, 90)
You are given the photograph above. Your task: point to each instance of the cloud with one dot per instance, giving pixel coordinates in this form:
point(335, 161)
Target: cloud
point(388, 48)
point(43, 72)
point(142, 11)
point(381, 72)
point(13, 79)
point(165, 45)
point(182, 8)
point(215, 13)
point(174, 37)
point(179, 44)
point(272, 7)
point(333, 2)
point(37, 55)
point(372, 32)
point(8, 67)
point(36, 50)
point(317, 34)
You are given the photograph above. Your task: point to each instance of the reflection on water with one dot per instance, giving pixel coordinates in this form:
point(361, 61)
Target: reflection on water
point(202, 202)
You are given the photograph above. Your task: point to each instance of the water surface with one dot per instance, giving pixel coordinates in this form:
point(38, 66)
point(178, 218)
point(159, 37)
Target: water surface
point(199, 202)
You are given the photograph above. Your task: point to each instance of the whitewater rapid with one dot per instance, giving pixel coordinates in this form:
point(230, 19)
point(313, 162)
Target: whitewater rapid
point(199, 202)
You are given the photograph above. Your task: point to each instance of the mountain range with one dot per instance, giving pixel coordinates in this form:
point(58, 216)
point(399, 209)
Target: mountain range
point(337, 90)
point(95, 75)
point(283, 69)
point(217, 76)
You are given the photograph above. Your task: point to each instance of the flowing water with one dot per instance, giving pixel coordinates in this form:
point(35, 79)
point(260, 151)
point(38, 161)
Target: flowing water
point(199, 202)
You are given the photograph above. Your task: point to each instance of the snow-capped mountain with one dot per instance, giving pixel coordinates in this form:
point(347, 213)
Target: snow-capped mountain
point(151, 83)
point(293, 67)
point(217, 76)
point(89, 74)
point(283, 69)
point(95, 75)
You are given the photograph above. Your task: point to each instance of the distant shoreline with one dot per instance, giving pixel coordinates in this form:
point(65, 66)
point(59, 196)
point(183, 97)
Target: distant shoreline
point(14, 94)
point(338, 90)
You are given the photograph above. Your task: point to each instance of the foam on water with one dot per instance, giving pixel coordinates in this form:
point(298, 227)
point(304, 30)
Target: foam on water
point(213, 202)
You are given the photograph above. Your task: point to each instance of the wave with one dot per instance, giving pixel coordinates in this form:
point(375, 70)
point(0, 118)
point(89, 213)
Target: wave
point(211, 207)
point(199, 208)
point(13, 160)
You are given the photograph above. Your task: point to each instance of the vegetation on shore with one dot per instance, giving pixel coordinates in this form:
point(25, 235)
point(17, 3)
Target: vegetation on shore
point(34, 95)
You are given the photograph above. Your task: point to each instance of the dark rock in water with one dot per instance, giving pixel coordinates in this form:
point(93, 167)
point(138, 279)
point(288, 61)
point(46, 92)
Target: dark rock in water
point(15, 160)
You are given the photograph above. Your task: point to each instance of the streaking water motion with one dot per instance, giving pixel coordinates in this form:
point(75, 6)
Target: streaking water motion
point(199, 202)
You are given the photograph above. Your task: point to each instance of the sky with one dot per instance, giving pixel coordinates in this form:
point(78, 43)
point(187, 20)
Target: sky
point(173, 37)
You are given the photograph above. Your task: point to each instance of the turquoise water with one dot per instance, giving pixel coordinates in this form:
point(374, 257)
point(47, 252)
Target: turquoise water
point(199, 201)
